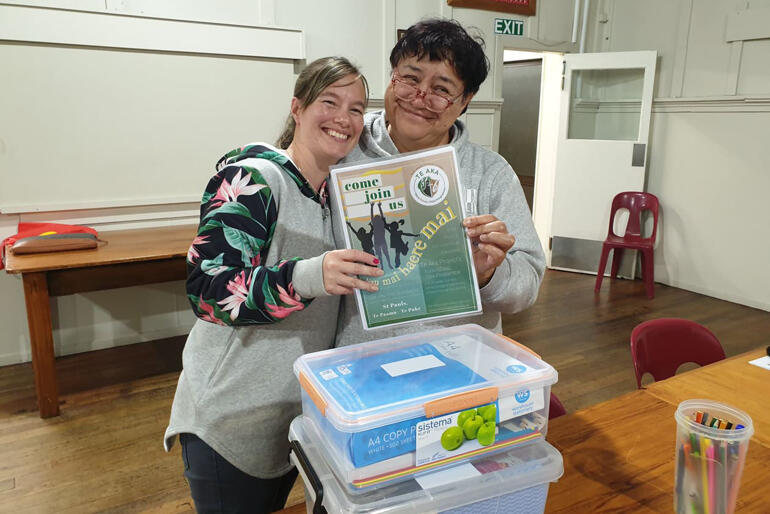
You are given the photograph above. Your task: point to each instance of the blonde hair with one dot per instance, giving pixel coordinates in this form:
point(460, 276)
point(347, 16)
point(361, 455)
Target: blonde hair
point(317, 76)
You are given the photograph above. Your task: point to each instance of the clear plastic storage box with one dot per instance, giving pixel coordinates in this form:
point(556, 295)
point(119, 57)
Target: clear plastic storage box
point(398, 406)
point(514, 480)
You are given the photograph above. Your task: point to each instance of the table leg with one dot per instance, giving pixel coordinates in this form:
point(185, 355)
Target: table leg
point(41, 342)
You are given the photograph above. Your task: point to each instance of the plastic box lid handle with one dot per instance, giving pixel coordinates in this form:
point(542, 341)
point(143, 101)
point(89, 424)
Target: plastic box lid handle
point(460, 401)
point(312, 392)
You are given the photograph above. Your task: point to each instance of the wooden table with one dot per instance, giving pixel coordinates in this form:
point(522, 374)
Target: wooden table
point(619, 457)
point(130, 258)
point(619, 454)
point(732, 381)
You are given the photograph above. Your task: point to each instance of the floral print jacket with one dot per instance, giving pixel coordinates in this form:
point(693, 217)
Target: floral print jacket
point(227, 282)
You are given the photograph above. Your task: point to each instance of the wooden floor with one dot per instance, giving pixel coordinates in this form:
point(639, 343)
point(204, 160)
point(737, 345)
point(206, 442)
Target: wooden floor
point(586, 336)
point(104, 453)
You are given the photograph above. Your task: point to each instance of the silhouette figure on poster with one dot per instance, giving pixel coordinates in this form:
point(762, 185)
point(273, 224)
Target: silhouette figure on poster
point(397, 239)
point(364, 237)
point(378, 235)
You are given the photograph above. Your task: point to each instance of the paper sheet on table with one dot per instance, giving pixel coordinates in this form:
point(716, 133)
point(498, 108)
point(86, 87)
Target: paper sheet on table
point(762, 362)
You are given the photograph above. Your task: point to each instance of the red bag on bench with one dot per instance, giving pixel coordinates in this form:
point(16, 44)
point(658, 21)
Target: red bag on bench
point(49, 237)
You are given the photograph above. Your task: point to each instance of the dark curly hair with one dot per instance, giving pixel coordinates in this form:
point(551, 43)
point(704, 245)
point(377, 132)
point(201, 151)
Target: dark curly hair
point(445, 40)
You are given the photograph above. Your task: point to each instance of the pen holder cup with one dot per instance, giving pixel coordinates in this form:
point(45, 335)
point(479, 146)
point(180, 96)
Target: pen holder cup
point(709, 460)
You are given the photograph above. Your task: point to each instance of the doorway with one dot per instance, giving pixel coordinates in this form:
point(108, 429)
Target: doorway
point(529, 124)
point(519, 116)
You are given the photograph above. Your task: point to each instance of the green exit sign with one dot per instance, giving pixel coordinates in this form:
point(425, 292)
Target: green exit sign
point(509, 27)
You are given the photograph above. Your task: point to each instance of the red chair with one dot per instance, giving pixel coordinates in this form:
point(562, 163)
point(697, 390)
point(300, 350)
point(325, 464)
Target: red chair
point(555, 408)
point(636, 202)
point(660, 346)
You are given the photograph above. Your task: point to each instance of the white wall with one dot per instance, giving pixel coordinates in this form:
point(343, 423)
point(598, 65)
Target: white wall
point(709, 131)
point(709, 169)
point(362, 30)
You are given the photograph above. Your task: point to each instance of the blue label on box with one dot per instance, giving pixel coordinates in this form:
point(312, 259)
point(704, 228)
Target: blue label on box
point(378, 444)
point(383, 443)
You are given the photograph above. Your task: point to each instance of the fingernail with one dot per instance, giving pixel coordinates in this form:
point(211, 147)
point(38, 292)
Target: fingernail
point(376, 261)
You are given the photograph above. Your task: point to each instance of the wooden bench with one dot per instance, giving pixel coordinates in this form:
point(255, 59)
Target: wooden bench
point(130, 258)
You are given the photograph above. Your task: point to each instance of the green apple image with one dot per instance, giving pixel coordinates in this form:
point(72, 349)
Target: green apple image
point(486, 433)
point(452, 438)
point(471, 426)
point(464, 416)
point(488, 412)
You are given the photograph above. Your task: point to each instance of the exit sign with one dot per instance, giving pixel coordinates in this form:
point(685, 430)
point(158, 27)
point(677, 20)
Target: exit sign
point(509, 27)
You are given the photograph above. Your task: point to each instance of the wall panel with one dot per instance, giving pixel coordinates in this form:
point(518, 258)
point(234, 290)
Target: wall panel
point(708, 170)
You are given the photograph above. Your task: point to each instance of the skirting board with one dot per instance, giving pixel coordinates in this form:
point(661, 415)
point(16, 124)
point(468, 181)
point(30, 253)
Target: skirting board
point(582, 255)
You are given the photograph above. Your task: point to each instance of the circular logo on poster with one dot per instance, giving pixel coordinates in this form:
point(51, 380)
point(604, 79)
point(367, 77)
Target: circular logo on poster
point(429, 185)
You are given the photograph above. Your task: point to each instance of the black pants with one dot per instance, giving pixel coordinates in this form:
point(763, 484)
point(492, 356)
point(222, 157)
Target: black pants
point(217, 486)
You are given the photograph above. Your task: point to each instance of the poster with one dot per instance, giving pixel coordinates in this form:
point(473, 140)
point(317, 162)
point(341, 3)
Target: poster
point(407, 212)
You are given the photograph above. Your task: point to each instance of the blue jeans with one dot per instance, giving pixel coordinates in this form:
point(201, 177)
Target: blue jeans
point(217, 486)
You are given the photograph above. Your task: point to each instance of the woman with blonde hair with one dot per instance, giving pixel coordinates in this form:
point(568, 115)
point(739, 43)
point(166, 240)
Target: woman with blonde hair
point(264, 280)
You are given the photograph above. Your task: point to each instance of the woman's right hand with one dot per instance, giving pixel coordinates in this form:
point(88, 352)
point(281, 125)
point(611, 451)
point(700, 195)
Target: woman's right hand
point(341, 267)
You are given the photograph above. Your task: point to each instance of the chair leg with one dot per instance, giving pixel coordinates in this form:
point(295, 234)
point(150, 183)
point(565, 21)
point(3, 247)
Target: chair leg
point(602, 267)
point(648, 270)
point(617, 257)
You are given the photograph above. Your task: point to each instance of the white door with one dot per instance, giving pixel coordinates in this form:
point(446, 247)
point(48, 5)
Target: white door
point(601, 150)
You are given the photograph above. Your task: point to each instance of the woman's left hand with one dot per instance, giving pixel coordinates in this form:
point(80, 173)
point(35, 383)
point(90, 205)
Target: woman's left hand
point(491, 242)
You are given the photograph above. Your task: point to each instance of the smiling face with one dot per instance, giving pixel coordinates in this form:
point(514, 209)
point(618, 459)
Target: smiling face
point(412, 125)
point(329, 128)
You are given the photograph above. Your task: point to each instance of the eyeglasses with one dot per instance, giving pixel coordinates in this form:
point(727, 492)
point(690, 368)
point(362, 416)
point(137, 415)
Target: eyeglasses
point(434, 102)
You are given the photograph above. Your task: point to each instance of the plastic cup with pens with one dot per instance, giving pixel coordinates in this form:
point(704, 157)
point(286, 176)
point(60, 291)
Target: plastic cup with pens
point(711, 444)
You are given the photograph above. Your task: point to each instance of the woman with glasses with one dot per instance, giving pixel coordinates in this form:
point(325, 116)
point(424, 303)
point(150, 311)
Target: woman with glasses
point(437, 68)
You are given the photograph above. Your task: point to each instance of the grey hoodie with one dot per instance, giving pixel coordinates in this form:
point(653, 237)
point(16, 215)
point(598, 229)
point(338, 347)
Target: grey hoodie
point(516, 281)
point(238, 391)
